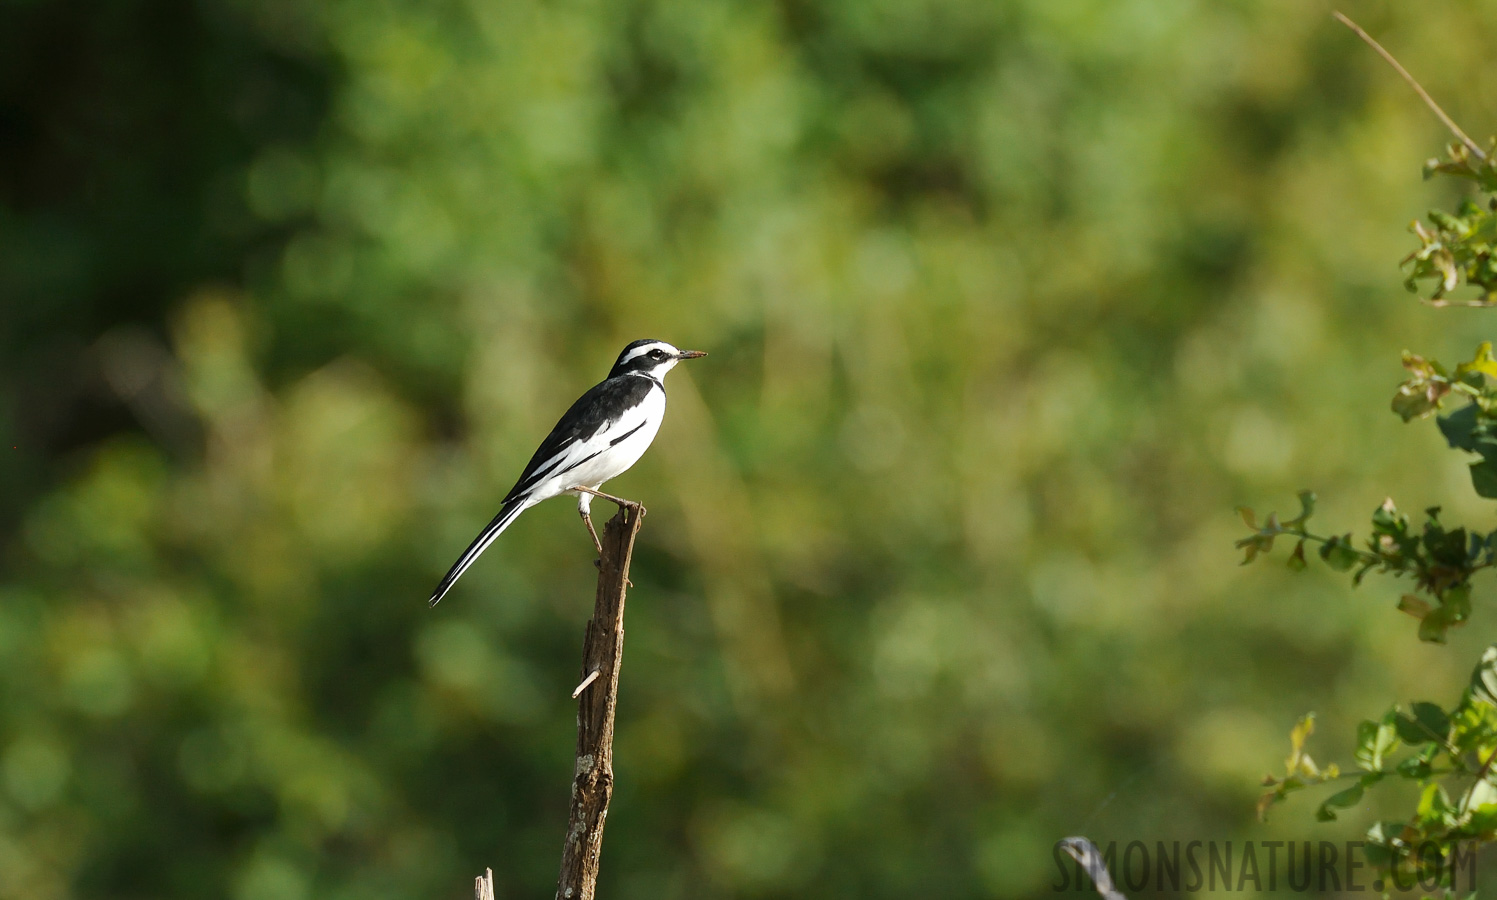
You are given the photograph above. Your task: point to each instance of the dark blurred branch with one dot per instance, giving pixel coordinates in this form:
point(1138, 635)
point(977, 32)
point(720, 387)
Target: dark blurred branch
point(602, 652)
point(1429, 101)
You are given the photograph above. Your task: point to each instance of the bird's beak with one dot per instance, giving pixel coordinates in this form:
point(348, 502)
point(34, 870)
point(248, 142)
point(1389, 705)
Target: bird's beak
point(691, 354)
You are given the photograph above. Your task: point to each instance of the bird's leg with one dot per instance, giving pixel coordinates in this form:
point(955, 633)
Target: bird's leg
point(588, 521)
point(584, 507)
point(585, 497)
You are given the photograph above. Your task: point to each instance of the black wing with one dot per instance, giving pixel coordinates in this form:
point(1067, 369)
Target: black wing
point(603, 403)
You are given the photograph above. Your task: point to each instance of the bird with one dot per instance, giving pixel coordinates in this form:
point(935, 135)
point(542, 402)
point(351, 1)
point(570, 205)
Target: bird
point(1090, 858)
point(604, 433)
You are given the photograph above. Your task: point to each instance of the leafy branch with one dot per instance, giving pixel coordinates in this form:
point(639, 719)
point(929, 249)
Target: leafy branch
point(1457, 247)
point(1440, 560)
point(1447, 751)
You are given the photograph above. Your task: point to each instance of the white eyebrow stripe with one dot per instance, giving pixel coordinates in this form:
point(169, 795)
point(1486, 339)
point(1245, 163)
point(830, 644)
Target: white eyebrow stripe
point(641, 351)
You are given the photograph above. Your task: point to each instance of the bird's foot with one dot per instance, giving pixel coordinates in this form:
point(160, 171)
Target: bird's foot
point(636, 508)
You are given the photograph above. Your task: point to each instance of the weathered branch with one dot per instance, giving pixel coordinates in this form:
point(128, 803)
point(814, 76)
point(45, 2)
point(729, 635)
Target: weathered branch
point(602, 652)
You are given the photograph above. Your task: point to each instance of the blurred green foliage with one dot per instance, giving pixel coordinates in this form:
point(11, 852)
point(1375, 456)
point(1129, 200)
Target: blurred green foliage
point(1008, 305)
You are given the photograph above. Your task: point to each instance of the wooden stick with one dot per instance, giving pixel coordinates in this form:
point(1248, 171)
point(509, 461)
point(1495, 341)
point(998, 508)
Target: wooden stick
point(602, 652)
point(483, 886)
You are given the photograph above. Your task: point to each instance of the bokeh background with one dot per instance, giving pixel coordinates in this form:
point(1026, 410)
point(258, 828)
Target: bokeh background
point(1008, 304)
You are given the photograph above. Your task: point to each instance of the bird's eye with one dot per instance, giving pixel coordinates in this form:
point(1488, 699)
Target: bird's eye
point(657, 353)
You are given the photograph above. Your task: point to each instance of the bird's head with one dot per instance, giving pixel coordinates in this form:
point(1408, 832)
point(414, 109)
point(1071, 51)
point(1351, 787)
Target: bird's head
point(653, 358)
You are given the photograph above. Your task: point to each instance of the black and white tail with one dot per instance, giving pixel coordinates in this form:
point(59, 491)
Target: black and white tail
point(511, 510)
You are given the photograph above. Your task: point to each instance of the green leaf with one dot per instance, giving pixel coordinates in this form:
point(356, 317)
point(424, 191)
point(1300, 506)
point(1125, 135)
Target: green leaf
point(1409, 731)
point(1297, 558)
point(1375, 740)
point(1413, 605)
point(1482, 820)
point(1454, 609)
point(1297, 737)
point(1447, 547)
point(1484, 478)
point(1306, 509)
point(1456, 600)
point(1340, 800)
point(1433, 626)
point(1459, 427)
point(1339, 554)
point(1469, 429)
point(1434, 807)
point(1482, 363)
point(1378, 855)
point(1254, 544)
point(1422, 392)
point(1385, 833)
point(1432, 721)
point(1386, 519)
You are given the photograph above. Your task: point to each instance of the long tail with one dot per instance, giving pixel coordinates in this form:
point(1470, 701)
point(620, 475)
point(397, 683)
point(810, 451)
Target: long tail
point(511, 510)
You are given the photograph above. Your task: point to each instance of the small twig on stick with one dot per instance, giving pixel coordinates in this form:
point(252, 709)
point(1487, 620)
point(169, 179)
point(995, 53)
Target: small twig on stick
point(591, 677)
point(602, 651)
point(1429, 101)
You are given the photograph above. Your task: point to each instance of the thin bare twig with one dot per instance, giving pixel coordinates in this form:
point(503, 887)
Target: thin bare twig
point(483, 886)
point(1413, 83)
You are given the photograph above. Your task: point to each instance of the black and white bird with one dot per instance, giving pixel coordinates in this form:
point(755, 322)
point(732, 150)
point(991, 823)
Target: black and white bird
point(604, 433)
